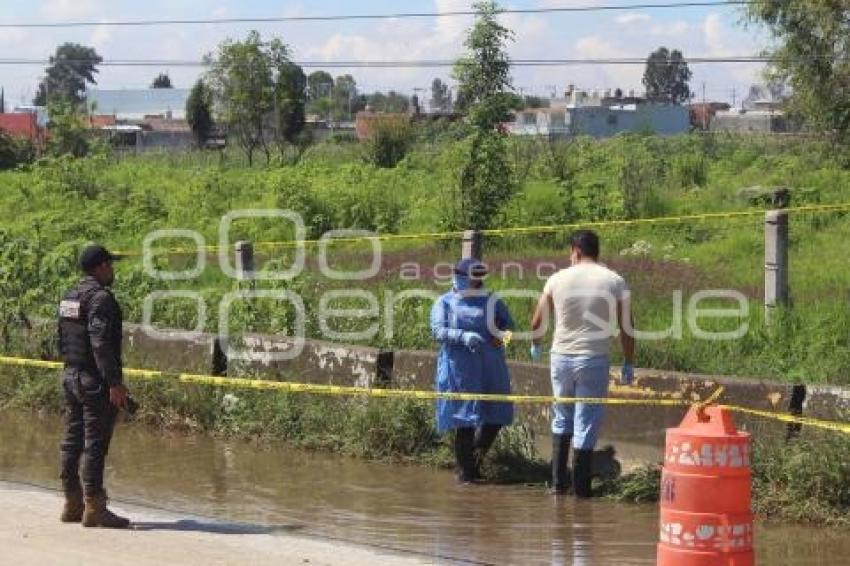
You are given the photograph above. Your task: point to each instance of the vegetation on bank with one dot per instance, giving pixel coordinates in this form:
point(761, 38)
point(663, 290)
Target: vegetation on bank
point(55, 206)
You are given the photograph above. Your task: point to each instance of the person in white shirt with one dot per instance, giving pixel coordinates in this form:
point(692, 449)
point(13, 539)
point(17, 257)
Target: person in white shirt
point(590, 303)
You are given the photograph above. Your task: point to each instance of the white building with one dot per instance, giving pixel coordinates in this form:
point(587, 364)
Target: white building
point(753, 122)
point(600, 115)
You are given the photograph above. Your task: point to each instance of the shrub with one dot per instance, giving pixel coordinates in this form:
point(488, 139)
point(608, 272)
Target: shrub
point(688, 171)
point(390, 138)
point(14, 151)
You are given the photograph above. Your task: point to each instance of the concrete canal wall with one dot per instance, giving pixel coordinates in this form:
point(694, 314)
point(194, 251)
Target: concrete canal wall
point(273, 357)
point(338, 364)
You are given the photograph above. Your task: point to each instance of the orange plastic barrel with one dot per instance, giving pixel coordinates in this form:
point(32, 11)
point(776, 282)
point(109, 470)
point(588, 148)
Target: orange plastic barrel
point(706, 485)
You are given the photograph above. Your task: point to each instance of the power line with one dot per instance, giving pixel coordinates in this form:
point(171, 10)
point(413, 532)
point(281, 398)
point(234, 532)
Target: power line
point(407, 64)
point(334, 18)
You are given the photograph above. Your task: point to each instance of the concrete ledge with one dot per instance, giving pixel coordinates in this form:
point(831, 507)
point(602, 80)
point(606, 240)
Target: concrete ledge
point(318, 362)
point(170, 353)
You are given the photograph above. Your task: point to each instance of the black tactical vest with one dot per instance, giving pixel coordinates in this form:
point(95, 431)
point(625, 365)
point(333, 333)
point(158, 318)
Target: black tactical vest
point(74, 342)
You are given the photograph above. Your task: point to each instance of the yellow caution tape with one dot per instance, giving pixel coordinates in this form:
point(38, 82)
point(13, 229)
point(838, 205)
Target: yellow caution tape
point(711, 399)
point(333, 390)
point(546, 229)
point(792, 419)
point(45, 364)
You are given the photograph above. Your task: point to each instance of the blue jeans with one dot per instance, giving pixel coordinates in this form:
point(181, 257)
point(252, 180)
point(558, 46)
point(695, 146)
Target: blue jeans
point(579, 376)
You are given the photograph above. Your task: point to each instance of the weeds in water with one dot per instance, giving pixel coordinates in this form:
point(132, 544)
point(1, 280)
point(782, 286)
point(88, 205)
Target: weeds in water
point(807, 479)
point(514, 458)
point(641, 485)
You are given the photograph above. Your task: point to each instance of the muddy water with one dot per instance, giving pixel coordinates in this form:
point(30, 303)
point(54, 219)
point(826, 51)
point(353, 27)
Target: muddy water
point(410, 509)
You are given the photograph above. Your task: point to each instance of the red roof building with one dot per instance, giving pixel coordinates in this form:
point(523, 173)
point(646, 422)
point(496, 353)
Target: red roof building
point(97, 121)
point(21, 125)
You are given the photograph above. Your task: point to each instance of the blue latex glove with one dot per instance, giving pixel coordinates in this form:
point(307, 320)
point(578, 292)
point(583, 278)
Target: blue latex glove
point(472, 340)
point(627, 374)
point(536, 352)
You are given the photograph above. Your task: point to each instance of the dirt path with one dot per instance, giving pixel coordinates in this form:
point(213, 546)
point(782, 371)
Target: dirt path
point(30, 533)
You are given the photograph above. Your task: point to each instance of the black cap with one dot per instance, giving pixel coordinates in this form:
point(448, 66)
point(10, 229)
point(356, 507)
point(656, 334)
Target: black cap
point(94, 255)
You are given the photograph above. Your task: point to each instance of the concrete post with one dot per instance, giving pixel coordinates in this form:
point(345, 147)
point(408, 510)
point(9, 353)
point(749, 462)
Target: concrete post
point(244, 260)
point(473, 244)
point(775, 261)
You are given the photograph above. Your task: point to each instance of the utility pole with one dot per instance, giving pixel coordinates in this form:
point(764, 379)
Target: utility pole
point(734, 97)
point(704, 109)
point(416, 91)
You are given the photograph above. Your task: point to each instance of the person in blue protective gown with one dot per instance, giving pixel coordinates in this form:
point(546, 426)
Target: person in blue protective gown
point(470, 324)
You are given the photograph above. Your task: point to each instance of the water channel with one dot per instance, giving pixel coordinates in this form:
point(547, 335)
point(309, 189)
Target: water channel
point(406, 508)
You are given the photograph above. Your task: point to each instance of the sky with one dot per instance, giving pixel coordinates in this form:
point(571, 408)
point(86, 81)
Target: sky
point(703, 31)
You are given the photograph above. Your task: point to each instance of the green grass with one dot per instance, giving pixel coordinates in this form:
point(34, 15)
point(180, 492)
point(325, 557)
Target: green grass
point(53, 207)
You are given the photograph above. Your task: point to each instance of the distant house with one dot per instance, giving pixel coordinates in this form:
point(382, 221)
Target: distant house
point(142, 119)
point(96, 121)
point(761, 112)
point(135, 104)
point(753, 122)
point(600, 115)
point(702, 113)
point(23, 125)
point(39, 111)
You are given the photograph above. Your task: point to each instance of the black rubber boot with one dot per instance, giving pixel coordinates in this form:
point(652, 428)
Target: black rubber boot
point(485, 436)
point(464, 454)
point(560, 456)
point(582, 472)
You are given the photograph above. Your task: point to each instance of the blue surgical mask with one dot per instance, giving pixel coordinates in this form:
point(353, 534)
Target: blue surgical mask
point(461, 282)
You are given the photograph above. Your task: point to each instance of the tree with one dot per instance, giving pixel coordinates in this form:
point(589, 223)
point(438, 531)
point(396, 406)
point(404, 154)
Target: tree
point(484, 81)
point(242, 78)
point(811, 57)
point(528, 101)
point(162, 80)
point(319, 85)
point(71, 68)
point(290, 104)
point(68, 132)
point(345, 99)
point(260, 91)
point(441, 98)
point(483, 75)
point(392, 102)
point(667, 76)
point(199, 112)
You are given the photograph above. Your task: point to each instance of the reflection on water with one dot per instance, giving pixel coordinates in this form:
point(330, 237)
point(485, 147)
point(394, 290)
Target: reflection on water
point(407, 508)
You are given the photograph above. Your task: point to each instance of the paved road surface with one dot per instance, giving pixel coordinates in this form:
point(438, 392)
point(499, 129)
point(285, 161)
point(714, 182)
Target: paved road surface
point(30, 533)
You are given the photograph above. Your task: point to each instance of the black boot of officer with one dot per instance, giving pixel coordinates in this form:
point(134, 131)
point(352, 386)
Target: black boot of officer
point(90, 343)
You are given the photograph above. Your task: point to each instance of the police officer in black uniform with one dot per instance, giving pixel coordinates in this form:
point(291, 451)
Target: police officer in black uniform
point(90, 344)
